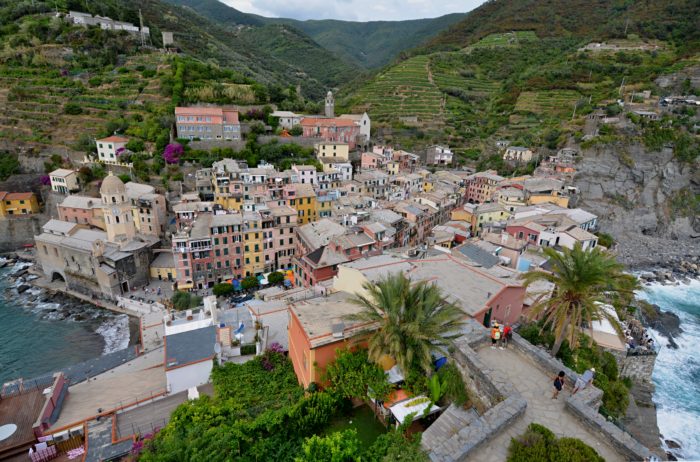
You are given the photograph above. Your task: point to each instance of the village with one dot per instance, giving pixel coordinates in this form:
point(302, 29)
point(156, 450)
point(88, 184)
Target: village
point(253, 258)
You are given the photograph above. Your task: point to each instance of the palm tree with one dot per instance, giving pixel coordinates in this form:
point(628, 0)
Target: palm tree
point(583, 281)
point(414, 320)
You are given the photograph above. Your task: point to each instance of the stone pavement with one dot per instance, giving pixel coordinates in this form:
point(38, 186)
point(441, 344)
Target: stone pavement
point(536, 387)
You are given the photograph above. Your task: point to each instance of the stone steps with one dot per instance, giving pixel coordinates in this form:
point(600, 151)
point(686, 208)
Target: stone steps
point(450, 422)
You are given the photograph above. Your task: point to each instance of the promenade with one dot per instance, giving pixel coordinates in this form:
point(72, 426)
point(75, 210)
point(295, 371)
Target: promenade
point(535, 386)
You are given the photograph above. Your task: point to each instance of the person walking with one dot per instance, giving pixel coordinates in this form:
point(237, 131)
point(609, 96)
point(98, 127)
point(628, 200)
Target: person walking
point(558, 384)
point(507, 335)
point(495, 335)
point(584, 380)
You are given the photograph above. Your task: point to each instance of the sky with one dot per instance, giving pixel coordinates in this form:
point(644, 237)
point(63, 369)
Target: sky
point(354, 10)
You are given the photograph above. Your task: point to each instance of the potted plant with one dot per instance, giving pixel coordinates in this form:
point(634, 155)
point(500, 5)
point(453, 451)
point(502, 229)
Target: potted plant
point(235, 347)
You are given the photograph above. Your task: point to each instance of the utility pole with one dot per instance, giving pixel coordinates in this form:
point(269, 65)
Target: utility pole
point(627, 23)
point(622, 85)
point(141, 28)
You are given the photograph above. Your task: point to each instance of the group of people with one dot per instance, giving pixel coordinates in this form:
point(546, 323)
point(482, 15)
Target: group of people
point(500, 335)
point(582, 382)
point(637, 336)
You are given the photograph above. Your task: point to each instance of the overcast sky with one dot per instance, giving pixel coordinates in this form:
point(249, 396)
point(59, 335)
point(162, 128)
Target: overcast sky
point(354, 10)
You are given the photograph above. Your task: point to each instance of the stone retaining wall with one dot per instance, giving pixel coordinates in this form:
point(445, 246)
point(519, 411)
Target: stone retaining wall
point(457, 441)
point(584, 405)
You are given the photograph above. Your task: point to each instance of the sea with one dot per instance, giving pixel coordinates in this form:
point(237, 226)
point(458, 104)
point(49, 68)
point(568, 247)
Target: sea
point(40, 334)
point(677, 371)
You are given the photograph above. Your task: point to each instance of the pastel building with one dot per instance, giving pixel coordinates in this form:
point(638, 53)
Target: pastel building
point(64, 181)
point(331, 129)
point(108, 148)
point(207, 123)
point(18, 203)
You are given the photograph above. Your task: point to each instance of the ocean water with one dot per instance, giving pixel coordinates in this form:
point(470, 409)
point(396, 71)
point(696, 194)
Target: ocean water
point(677, 372)
point(40, 336)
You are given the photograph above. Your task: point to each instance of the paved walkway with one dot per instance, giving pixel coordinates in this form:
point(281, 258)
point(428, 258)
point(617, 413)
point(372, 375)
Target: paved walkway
point(138, 379)
point(536, 387)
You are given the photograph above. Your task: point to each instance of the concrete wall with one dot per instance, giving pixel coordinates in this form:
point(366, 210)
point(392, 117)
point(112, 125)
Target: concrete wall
point(19, 231)
point(639, 367)
point(185, 377)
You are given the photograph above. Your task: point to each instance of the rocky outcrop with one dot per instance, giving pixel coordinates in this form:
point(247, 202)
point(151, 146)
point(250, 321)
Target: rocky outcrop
point(632, 191)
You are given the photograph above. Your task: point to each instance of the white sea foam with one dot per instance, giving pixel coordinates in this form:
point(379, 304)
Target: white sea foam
point(115, 332)
point(677, 371)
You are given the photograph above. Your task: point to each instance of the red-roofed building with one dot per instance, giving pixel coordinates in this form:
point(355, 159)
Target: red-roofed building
point(331, 129)
point(107, 148)
point(18, 203)
point(207, 123)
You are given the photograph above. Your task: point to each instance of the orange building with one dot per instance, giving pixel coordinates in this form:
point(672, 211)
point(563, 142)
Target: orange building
point(317, 328)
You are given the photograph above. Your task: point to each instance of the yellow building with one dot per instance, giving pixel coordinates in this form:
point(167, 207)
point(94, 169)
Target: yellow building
point(428, 185)
point(163, 267)
point(21, 203)
point(552, 198)
point(393, 167)
point(331, 149)
point(480, 215)
point(302, 198)
point(324, 206)
point(254, 261)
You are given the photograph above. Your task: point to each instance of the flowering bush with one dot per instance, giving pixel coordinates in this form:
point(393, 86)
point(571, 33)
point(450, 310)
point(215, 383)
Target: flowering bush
point(45, 180)
point(275, 348)
point(172, 153)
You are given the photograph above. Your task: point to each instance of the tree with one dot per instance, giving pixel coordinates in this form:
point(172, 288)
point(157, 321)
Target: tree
point(296, 130)
point(223, 289)
point(337, 447)
point(185, 300)
point(414, 320)
point(135, 145)
point(275, 278)
point(9, 165)
point(583, 281)
point(251, 282)
point(351, 375)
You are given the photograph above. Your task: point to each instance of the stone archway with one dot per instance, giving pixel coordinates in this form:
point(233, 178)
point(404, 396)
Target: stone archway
point(57, 276)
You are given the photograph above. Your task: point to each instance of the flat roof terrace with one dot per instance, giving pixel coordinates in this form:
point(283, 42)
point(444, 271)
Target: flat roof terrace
point(22, 410)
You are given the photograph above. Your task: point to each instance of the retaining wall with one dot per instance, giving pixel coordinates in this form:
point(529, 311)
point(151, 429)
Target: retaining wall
point(584, 405)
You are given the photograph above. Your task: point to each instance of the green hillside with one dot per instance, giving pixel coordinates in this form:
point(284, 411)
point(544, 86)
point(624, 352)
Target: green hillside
point(372, 44)
point(521, 85)
point(365, 44)
point(675, 21)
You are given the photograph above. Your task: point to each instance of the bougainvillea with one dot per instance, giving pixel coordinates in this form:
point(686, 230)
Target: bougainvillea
point(172, 153)
point(45, 180)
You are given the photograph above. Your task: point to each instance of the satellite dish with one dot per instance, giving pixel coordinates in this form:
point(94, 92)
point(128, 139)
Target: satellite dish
point(217, 348)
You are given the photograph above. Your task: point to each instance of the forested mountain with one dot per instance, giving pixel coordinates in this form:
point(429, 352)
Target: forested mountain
point(365, 44)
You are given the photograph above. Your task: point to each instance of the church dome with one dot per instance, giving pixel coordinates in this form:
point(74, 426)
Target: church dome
point(112, 186)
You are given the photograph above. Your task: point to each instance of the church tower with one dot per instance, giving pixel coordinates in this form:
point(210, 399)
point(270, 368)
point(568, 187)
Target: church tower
point(119, 221)
point(330, 104)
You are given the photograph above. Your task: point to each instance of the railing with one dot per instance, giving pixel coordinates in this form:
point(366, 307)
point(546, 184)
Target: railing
point(21, 387)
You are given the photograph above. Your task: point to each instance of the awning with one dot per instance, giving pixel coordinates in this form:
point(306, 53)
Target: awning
point(416, 405)
point(185, 286)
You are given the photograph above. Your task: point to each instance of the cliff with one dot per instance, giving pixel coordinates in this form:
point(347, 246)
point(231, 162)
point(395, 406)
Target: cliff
point(646, 200)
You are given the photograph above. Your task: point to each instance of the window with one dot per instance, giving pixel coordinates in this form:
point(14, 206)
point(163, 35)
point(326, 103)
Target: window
point(225, 250)
point(187, 272)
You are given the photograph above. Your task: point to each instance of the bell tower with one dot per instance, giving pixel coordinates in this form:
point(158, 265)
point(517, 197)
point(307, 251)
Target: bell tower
point(119, 221)
point(330, 104)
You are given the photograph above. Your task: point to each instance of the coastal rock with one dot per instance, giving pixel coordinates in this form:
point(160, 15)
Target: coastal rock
point(664, 322)
point(23, 288)
point(672, 444)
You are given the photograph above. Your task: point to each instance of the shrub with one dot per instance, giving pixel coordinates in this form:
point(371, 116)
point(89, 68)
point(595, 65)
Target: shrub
point(247, 349)
point(185, 300)
point(352, 374)
point(172, 153)
point(250, 282)
point(125, 177)
point(539, 444)
point(337, 447)
point(275, 278)
point(223, 289)
point(135, 145)
point(72, 109)
point(9, 165)
point(453, 385)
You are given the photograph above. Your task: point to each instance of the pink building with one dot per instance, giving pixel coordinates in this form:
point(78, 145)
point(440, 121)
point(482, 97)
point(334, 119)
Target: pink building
point(279, 233)
point(370, 161)
point(482, 186)
point(82, 209)
point(207, 123)
point(331, 129)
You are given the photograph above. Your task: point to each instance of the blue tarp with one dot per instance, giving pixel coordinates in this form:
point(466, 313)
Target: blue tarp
point(440, 362)
point(523, 264)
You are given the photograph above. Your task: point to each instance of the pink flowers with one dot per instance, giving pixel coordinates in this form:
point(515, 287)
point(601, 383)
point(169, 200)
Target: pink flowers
point(172, 153)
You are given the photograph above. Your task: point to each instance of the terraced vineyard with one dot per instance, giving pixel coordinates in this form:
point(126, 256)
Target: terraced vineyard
point(406, 90)
point(456, 71)
point(548, 103)
point(36, 103)
point(509, 39)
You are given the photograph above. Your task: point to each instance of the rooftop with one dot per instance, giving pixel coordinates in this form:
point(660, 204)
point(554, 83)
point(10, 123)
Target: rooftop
point(164, 260)
point(62, 172)
point(319, 316)
point(189, 347)
point(468, 287)
point(114, 139)
point(81, 202)
point(319, 233)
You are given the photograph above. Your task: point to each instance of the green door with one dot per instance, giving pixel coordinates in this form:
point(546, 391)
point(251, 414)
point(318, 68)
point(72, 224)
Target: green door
point(487, 318)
